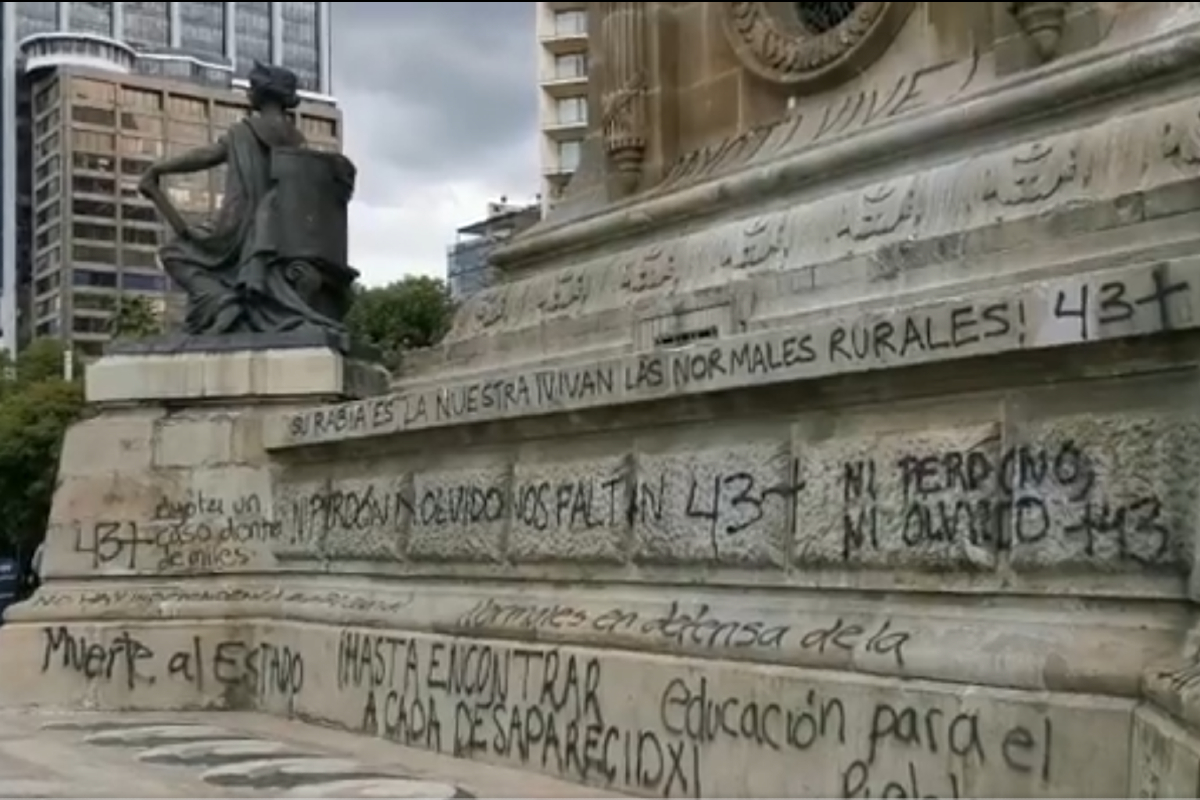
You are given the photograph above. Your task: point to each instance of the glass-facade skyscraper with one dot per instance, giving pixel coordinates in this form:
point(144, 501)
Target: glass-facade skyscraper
point(205, 47)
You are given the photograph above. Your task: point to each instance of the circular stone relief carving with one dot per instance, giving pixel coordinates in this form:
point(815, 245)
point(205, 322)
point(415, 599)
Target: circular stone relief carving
point(811, 45)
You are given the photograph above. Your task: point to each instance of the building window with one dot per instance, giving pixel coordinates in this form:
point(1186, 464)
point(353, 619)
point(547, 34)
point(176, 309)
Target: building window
point(189, 107)
point(568, 156)
point(89, 324)
point(89, 301)
point(202, 28)
point(92, 18)
point(570, 66)
point(47, 97)
point(138, 282)
point(570, 23)
point(36, 17)
point(93, 254)
point(141, 99)
point(132, 213)
point(94, 162)
point(571, 111)
point(139, 236)
point(87, 115)
point(93, 93)
point(133, 146)
point(95, 278)
point(148, 24)
point(102, 209)
point(88, 184)
point(48, 328)
point(139, 258)
point(225, 114)
point(188, 132)
point(93, 141)
point(134, 166)
point(90, 230)
point(253, 28)
point(300, 49)
point(47, 284)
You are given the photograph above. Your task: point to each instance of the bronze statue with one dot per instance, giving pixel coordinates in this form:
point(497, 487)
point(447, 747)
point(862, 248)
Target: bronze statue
point(274, 258)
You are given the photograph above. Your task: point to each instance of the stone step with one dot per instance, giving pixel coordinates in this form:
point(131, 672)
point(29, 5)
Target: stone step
point(47, 753)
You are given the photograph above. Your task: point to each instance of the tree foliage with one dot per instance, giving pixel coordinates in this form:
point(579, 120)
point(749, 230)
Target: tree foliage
point(37, 405)
point(134, 318)
point(410, 313)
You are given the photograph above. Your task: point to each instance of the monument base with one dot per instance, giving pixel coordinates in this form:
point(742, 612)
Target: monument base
point(272, 367)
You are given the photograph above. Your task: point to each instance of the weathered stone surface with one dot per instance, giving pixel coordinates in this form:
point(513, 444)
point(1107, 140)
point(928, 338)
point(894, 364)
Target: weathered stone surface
point(48, 754)
point(222, 375)
point(1117, 304)
point(866, 468)
point(595, 713)
point(571, 511)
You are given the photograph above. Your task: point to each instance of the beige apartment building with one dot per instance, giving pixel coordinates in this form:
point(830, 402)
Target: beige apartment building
point(94, 238)
point(562, 37)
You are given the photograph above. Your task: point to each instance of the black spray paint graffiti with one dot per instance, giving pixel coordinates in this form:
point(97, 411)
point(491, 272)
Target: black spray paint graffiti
point(911, 738)
point(701, 628)
point(916, 336)
point(906, 732)
point(728, 503)
point(196, 533)
point(1021, 497)
point(855, 342)
point(122, 659)
point(538, 707)
point(259, 670)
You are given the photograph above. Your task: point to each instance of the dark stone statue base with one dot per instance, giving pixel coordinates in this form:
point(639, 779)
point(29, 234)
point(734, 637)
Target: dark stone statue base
point(178, 343)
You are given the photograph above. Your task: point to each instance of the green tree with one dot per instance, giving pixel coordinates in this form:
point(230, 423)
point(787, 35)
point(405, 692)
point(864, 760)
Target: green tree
point(410, 313)
point(36, 407)
point(134, 318)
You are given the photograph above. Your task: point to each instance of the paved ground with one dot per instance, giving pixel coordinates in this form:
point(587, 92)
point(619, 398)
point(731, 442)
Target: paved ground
point(44, 754)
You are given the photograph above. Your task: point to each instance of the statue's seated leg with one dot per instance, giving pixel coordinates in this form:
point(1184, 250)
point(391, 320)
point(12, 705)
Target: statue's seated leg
point(212, 304)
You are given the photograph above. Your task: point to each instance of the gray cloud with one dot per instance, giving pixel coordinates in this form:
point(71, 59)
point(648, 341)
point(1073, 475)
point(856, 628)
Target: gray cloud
point(439, 102)
point(435, 93)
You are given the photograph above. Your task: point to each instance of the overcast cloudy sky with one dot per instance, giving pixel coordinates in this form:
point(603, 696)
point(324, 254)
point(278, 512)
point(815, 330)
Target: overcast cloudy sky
point(439, 102)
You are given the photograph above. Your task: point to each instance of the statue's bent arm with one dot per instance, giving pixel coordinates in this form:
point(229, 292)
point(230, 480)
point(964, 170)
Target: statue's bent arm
point(197, 160)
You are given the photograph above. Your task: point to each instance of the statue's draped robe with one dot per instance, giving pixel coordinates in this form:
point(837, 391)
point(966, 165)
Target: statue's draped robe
point(230, 270)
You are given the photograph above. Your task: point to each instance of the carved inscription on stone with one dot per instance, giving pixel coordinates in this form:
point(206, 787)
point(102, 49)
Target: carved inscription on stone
point(647, 270)
point(761, 242)
point(562, 291)
point(1181, 138)
point(879, 210)
point(1032, 174)
point(490, 307)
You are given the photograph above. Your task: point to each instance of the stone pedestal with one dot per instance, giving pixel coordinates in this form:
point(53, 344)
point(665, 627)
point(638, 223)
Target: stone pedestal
point(853, 454)
point(165, 483)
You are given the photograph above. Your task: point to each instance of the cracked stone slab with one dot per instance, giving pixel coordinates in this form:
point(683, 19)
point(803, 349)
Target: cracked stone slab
point(288, 773)
point(210, 753)
point(45, 753)
point(154, 735)
point(97, 726)
point(382, 787)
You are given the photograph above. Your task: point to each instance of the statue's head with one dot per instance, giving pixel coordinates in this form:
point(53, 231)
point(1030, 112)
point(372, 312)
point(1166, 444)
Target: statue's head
point(272, 85)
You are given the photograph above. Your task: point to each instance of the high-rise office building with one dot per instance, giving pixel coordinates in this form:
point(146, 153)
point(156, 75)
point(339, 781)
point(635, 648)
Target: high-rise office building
point(90, 94)
point(562, 38)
